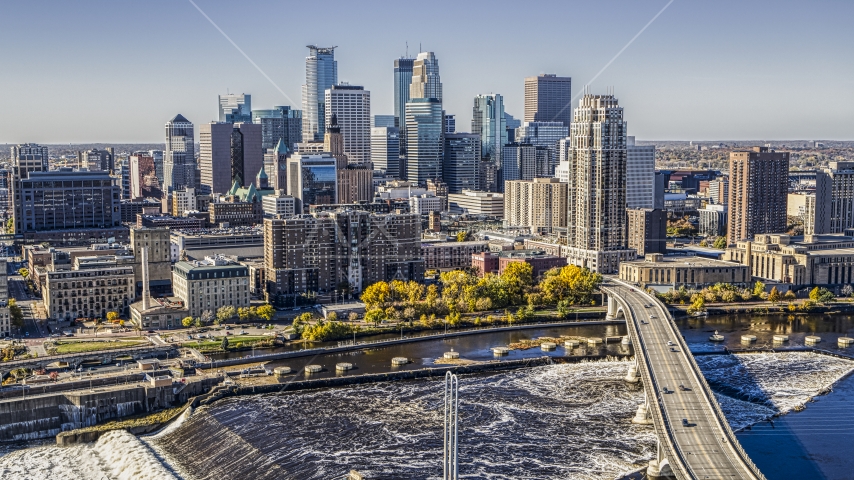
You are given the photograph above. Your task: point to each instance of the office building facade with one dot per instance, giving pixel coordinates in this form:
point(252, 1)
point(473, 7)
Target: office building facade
point(385, 150)
point(211, 284)
point(543, 134)
point(758, 191)
point(424, 124)
point(548, 99)
point(321, 73)
point(143, 177)
point(640, 175)
point(460, 161)
point(227, 152)
point(489, 122)
point(402, 80)
point(351, 105)
point(647, 230)
point(179, 158)
point(312, 180)
point(280, 123)
point(235, 108)
point(713, 220)
point(596, 156)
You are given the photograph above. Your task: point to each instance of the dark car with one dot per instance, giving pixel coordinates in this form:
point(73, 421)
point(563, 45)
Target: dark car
point(151, 331)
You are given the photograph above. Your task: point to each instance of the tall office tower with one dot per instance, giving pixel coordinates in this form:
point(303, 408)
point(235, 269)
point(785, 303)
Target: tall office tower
point(382, 121)
point(143, 177)
point(597, 223)
point(841, 179)
point(423, 139)
point(157, 156)
point(95, 159)
point(719, 191)
point(640, 174)
point(29, 157)
point(758, 192)
point(450, 123)
point(227, 152)
point(333, 142)
point(385, 150)
point(545, 134)
point(278, 123)
point(647, 230)
point(351, 104)
point(312, 179)
point(489, 122)
point(539, 204)
point(426, 82)
point(461, 160)
point(524, 161)
point(402, 79)
point(512, 125)
point(548, 98)
point(179, 158)
point(321, 73)
point(235, 108)
point(818, 216)
point(122, 176)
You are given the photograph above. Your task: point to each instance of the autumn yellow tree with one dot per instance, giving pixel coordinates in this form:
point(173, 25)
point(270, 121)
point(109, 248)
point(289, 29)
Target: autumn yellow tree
point(376, 295)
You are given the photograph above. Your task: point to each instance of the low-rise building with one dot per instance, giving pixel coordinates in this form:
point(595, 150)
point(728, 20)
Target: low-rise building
point(713, 220)
point(451, 255)
point(278, 205)
point(497, 262)
point(160, 313)
point(666, 272)
point(159, 221)
point(424, 204)
point(210, 284)
point(93, 287)
point(472, 202)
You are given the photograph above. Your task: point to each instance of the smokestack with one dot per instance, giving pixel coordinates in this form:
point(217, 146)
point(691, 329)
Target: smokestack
point(146, 297)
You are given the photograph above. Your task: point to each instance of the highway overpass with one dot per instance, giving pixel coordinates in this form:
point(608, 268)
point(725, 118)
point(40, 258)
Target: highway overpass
point(694, 438)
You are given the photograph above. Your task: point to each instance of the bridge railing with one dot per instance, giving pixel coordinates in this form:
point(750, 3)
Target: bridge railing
point(707, 390)
point(659, 416)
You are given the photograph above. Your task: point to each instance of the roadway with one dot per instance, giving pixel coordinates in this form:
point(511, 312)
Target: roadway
point(704, 445)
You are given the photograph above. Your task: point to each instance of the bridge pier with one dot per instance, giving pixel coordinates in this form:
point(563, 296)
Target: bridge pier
point(642, 416)
point(660, 467)
point(632, 376)
point(615, 310)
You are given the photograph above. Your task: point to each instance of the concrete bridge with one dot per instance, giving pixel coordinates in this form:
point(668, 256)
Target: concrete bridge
point(75, 359)
point(694, 438)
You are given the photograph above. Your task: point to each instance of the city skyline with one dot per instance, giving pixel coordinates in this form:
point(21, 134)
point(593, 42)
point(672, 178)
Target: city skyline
point(689, 52)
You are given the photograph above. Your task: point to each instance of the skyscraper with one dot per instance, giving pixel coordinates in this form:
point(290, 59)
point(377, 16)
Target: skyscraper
point(383, 121)
point(489, 122)
point(29, 157)
point(402, 80)
point(351, 104)
point(235, 108)
point(385, 150)
point(543, 134)
point(95, 159)
point(228, 151)
point(640, 175)
point(312, 179)
point(460, 163)
point(278, 123)
point(841, 180)
point(179, 158)
point(758, 192)
point(450, 123)
point(157, 156)
point(424, 143)
point(597, 223)
point(548, 98)
point(425, 77)
point(321, 72)
point(143, 182)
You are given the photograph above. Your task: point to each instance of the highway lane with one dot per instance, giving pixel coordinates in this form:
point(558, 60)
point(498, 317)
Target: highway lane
point(705, 449)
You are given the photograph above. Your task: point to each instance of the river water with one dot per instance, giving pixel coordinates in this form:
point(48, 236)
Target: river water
point(553, 422)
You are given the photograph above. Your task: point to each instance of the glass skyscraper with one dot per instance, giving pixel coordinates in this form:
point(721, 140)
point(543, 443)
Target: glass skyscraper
point(424, 126)
point(489, 122)
point(545, 134)
point(312, 179)
point(279, 123)
point(461, 160)
point(235, 108)
point(321, 73)
point(179, 158)
point(402, 80)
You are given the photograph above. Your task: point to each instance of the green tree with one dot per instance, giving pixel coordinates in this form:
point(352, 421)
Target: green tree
point(199, 323)
point(266, 312)
point(10, 226)
point(188, 322)
point(375, 316)
point(226, 313)
point(15, 313)
point(224, 343)
point(758, 289)
point(720, 243)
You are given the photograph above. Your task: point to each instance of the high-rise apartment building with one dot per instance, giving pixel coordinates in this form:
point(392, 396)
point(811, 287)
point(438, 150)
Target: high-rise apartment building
point(280, 123)
point(460, 162)
point(758, 191)
point(647, 230)
point(95, 159)
point(385, 150)
point(548, 98)
point(227, 152)
point(719, 191)
point(321, 73)
point(143, 177)
point(841, 178)
point(489, 122)
point(640, 175)
point(597, 223)
point(351, 105)
point(423, 139)
point(539, 204)
point(320, 253)
point(179, 158)
point(234, 108)
point(819, 214)
point(402, 80)
point(543, 134)
point(524, 161)
point(157, 157)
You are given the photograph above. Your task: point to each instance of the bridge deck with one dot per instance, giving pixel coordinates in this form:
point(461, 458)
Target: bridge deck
point(706, 447)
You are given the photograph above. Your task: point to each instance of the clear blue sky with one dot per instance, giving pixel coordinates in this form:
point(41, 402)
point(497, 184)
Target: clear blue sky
point(116, 71)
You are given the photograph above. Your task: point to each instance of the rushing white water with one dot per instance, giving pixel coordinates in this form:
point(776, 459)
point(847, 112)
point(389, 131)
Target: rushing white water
point(117, 455)
point(569, 421)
